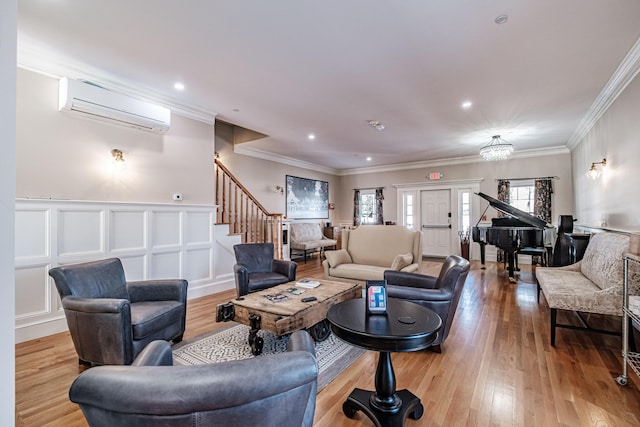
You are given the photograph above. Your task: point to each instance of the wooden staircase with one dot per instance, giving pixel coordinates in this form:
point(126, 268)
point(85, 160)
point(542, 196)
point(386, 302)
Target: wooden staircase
point(244, 213)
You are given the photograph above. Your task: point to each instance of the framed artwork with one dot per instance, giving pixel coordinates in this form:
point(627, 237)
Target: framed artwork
point(307, 198)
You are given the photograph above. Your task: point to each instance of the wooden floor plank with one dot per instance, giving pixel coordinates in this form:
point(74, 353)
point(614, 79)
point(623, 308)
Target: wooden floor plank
point(497, 367)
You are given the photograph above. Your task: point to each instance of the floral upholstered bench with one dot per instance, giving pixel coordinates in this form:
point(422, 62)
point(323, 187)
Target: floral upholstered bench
point(592, 285)
point(307, 237)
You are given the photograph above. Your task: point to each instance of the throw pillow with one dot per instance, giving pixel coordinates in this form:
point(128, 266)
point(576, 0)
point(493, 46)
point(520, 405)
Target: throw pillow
point(335, 258)
point(401, 261)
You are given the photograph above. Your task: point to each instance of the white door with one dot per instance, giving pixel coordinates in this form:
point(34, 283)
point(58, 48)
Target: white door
point(436, 222)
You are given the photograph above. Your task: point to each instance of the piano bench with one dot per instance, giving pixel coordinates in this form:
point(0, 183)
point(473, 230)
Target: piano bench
point(541, 252)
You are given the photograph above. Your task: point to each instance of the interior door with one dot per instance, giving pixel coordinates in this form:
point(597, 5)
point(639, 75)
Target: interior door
point(436, 222)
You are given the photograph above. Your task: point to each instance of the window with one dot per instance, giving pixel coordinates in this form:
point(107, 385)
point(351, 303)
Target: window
point(522, 196)
point(368, 214)
point(408, 209)
point(465, 211)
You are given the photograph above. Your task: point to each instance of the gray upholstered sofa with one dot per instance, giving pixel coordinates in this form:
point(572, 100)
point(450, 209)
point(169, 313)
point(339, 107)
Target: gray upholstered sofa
point(307, 237)
point(592, 285)
point(368, 250)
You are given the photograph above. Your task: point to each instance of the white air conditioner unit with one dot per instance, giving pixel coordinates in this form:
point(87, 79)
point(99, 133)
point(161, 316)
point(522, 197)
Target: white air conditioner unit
point(98, 103)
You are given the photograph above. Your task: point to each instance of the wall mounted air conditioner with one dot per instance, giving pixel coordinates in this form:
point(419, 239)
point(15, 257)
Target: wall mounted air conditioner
point(97, 103)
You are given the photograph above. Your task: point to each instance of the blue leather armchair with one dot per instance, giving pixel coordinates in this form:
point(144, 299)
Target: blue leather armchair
point(111, 320)
point(256, 269)
point(440, 294)
point(276, 390)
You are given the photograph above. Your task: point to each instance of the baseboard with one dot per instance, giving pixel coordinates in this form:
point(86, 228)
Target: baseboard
point(211, 288)
point(39, 330)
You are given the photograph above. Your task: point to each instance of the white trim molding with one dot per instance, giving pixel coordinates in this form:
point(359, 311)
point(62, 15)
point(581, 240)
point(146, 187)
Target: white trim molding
point(624, 74)
point(153, 241)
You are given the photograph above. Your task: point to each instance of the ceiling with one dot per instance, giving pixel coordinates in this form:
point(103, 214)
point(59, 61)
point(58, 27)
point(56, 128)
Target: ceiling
point(293, 67)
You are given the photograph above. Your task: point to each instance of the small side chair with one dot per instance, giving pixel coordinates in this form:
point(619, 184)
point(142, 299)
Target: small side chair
point(111, 320)
point(440, 294)
point(256, 269)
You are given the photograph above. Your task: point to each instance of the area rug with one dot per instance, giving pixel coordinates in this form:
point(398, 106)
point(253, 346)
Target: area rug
point(230, 343)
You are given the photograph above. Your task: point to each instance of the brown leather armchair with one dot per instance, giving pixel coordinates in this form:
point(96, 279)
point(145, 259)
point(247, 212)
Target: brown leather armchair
point(276, 390)
point(256, 269)
point(111, 320)
point(440, 294)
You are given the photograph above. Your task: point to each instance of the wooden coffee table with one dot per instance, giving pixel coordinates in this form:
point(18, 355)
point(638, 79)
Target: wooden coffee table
point(292, 314)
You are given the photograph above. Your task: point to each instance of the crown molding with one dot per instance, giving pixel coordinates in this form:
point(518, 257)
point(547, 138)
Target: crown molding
point(265, 155)
point(624, 74)
point(44, 62)
point(520, 154)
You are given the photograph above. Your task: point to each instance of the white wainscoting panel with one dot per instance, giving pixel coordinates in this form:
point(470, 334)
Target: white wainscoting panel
point(80, 232)
point(32, 234)
point(153, 241)
point(128, 230)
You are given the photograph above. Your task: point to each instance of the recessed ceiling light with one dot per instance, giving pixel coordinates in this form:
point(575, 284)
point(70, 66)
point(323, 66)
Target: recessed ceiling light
point(368, 159)
point(466, 104)
point(178, 86)
point(311, 137)
point(501, 19)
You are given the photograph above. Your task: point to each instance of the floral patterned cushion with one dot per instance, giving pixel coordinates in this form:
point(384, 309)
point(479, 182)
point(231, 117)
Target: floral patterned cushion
point(595, 284)
point(602, 261)
point(571, 290)
point(305, 231)
point(634, 305)
point(308, 235)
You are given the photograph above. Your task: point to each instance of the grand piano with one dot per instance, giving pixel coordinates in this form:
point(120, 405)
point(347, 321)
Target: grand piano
point(514, 232)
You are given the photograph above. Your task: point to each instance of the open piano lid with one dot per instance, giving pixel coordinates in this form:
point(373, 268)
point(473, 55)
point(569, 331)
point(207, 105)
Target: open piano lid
point(514, 212)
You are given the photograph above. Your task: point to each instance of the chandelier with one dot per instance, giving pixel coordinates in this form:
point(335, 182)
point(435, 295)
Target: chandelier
point(497, 149)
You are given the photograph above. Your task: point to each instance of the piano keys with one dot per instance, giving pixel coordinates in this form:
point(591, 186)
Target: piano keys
point(516, 231)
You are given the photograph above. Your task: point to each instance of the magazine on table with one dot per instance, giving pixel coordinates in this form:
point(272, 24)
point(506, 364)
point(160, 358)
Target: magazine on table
point(308, 283)
point(277, 297)
point(295, 291)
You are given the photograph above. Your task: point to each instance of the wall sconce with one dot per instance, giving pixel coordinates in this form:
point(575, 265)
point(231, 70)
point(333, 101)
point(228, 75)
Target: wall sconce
point(594, 172)
point(117, 155)
point(216, 155)
point(118, 160)
point(280, 189)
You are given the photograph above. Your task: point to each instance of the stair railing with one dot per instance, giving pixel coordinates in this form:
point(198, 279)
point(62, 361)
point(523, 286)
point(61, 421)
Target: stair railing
point(244, 213)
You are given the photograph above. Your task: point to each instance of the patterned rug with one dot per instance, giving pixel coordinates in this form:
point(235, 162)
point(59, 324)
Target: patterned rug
point(230, 343)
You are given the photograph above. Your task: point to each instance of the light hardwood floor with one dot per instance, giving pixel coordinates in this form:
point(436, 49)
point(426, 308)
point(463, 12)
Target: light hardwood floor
point(497, 367)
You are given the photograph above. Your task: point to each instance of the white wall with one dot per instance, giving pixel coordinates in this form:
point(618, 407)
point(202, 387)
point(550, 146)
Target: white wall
point(612, 200)
point(556, 165)
point(8, 36)
point(67, 157)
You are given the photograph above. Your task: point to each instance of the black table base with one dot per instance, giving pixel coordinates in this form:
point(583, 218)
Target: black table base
point(363, 400)
point(405, 327)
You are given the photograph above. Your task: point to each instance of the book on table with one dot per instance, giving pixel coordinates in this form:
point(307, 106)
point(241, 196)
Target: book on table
point(308, 283)
point(277, 297)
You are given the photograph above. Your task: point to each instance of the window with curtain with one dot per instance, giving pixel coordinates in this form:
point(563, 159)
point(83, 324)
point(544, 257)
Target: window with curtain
point(521, 196)
point(543, 190)
point(530, 196)
point(356, 207)
point(368, 206)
